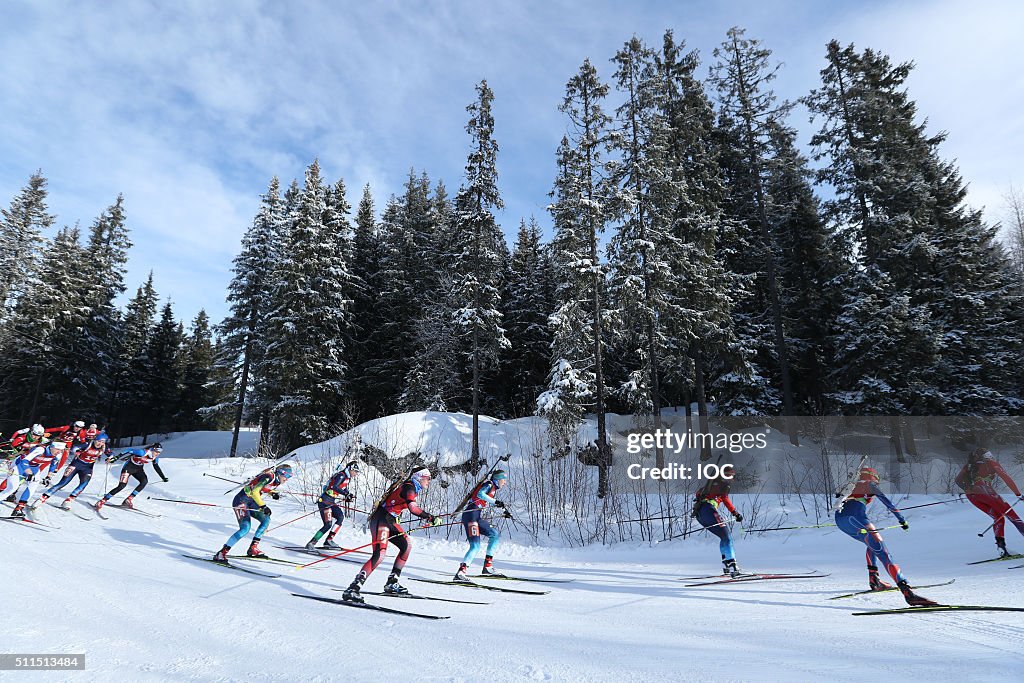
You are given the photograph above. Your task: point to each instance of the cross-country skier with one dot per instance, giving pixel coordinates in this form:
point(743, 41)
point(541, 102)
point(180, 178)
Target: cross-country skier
point(385, 528)
point(249, 504)
point(706, 511)
point(482, 496)
point(41, 459)
point(82, 465)
point(977, 479)
point(138, 458)
point(330, 511)
point(29, 437)
point(852, 519)
point(83, 436)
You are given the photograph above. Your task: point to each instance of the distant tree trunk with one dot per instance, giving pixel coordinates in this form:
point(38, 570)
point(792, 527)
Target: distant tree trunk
point(702, 403)
point(243, 386)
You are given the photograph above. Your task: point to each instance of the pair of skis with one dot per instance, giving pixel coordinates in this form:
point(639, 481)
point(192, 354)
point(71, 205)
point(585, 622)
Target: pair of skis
point(746, 577)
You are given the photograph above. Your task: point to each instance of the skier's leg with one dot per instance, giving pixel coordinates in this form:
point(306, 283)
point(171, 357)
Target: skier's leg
point(471, 523)
point(380, 532)
point(243, 514)
point(400, 541)
point(709, 518)
point(325, 516)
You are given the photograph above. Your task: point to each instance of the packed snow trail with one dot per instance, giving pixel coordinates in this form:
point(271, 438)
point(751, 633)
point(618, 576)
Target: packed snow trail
point(120, 591)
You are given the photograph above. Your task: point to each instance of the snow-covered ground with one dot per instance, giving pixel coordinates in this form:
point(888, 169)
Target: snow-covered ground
point(120, 591)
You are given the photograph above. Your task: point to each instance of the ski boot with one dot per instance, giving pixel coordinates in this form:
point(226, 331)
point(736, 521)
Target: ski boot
point(42, 499)
point(461, 574)
point(19, 510)
point(874, 582)
point(310, 547)
point(351, 593)
point(254, 549)
point(392, 587)
point(488, 569)
point(730, 568)
point(1001, 544)
point(128, 503)
point(331, 545)
point(99, 504)
point(912, 598)
point(222, 555)
point(66, 505)
point(10, 499)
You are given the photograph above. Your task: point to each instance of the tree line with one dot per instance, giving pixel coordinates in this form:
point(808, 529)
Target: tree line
point(697, 258)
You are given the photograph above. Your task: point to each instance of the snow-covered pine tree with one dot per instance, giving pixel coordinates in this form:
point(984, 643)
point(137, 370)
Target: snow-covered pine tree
point(742, 77)
point(196, 363)
point(477, 255)
point(580, 214)
point(242, 332)
point(126, 405)
point(22, 238)
point(915, 237)
point(366, 282)
point(307, 315)
point(161, 391)
point(527, 303)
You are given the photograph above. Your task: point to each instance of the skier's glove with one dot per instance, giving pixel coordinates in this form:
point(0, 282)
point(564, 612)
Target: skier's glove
point(265, 510)
point(165, 479)
point(507, 515)
point(737, 516)
point(46, 481)
point(275, 495)
point(435, 521)
point(349, 497)
point(904, 525)
point(499, 504)
point(28, 476)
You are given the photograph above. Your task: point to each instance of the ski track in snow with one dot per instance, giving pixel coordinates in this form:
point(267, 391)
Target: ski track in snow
point(120, 591)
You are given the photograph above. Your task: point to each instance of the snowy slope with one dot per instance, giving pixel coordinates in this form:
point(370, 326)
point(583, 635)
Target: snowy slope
point(120, 591)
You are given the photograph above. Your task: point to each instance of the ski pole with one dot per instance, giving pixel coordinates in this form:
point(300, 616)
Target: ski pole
point(693, 531)
point(294, 520)
point(787, 528)
point(647, 519)
point(924, 505)
point(191, 502)
point(881, 528)
point(1019, 499)
point(367, 545)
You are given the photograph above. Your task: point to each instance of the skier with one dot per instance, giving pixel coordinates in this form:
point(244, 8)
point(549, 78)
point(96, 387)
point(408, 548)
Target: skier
point(385, 528)
point(482, 496)
point(83, 436)
point(248, 503)
point(977, 479)
point(706, 504)
point(138, 458)
point(29, 437)
point(852, 519)
point(85, 459)
point(330, 512)
point(29, 465)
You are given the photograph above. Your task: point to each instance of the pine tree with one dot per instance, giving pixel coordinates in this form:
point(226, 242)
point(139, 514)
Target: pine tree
point(366, 282)
point(478, 261)
point(130, 373)
point(751, 111)
point(580, 214)
point(22, 228)
point(162, 366)
point(243, 330)
point(197, 360)
point(304, 357)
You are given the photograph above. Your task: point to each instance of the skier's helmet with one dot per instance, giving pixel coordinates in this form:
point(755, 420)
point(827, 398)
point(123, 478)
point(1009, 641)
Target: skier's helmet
point(422, 477)
point(868, 474)
point(79, 424)
point(93, 426)
point(58, 446)
point(499, 475)
point(99, 440)
point(979, 454)
point(728, 471)
point(353, 467)
point(283, 472)
point(38, 430)
point(157, 447)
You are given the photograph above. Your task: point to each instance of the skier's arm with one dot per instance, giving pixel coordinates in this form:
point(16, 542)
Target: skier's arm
point(156, 466)
point(728, 503)
point(877, 492)
point(961, 479)
point(484, 496)
point(1005, 477)
point(255, 488)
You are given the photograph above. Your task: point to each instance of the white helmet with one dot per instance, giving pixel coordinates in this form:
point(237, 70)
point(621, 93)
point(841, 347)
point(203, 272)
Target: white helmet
point(79, 424)
point(58, 446)
point(422, 477)
point(38, 430)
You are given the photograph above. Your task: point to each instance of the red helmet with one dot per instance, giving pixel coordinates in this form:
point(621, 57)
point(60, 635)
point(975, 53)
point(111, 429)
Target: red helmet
point(868, 474)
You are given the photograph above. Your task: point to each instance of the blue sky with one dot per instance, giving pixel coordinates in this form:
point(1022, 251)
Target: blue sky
point(189, 108)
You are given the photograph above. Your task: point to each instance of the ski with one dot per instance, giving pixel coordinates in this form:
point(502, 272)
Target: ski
point(263, 559)
point(232, 566)
point(757, 577)
point(141, 512)
point(502, 577)
point(1018, 566)
point(999, 559)
point(363, 605)
point(470, 584)
point(745, 575)
point(888, 590)
point(34, 525)
point(68, 509)
point(940, 608)
point(410, 596)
